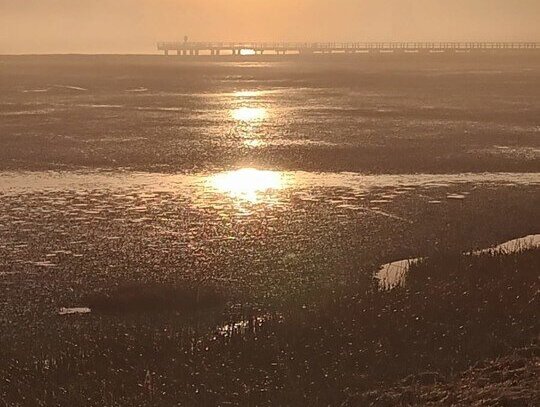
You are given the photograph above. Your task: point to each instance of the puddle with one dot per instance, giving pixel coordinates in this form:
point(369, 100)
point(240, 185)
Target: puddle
point(36, 90)
point(103, 106)
point(136, 90)
point(31, 112)
point(70, 87)
point(160, 109)
point(394, 274)
point(388, 215)
point(244, 327)
point(45, 264)
point(513, 246)
point(456, 197)
point(75, 310)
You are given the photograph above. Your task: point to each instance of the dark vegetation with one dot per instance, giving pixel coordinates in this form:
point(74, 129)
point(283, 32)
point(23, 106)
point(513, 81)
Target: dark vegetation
point(151, 298)
point(510, 380)
point(354, 346)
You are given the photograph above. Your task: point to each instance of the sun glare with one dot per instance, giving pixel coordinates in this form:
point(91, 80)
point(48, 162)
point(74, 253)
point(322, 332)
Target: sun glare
point(254, 143)
point(247, 93)
point(248, 184)
point(249, 114)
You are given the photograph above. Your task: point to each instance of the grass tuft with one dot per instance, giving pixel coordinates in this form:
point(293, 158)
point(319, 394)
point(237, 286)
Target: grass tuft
point(152, 298)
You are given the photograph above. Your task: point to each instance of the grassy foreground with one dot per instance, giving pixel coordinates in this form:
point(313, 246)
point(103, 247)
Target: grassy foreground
point(464, 330)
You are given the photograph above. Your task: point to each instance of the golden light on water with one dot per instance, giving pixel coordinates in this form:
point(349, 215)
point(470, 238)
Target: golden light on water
point(254, 143)
point(249, 117)
point(248, 184)
point(249, 114)
point(247, 93)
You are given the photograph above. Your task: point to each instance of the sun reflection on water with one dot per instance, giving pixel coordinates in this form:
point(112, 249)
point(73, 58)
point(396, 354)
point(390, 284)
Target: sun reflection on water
point(248, 184)
point(249, 114)
point(248, 93)
point(255, 143)
point(249, 117)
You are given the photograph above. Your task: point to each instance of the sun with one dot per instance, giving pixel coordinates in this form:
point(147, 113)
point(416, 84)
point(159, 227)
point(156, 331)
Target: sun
point(247, 51)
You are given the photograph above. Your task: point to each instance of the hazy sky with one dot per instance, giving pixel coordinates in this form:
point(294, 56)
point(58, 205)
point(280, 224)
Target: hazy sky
point(105, 26)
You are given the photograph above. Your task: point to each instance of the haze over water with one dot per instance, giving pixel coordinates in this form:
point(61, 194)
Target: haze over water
point(134, 26)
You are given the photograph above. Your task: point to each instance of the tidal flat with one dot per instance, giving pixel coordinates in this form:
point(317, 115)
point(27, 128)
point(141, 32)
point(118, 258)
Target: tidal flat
point(210, 233)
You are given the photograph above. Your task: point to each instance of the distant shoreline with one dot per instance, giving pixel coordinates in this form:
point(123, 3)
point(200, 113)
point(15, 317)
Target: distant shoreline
point(154, 52)
point(291, 57)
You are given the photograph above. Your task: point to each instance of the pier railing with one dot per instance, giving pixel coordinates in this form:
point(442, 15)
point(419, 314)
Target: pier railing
point(236, 48)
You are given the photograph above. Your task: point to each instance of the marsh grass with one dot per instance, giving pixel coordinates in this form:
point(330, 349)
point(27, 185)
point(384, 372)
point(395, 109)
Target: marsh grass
point(454, 312)
point(154, 298)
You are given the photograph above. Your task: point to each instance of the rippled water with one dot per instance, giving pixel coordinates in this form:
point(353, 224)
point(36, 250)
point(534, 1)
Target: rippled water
point(378, 116)
point(76, 310)
point(246, 191)
point(248, 184)
point(259, 174)
point(205, 216)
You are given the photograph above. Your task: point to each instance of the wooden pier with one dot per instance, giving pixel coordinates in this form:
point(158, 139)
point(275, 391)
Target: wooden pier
point(185, 48)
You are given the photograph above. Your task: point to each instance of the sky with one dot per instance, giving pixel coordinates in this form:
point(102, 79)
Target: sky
point(134, 26)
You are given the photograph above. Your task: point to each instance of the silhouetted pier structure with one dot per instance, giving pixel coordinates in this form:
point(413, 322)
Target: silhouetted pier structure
point(310, 48)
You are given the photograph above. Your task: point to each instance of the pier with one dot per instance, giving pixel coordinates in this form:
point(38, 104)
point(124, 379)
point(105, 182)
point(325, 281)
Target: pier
point(185, 48)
